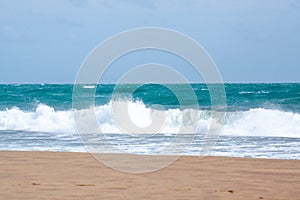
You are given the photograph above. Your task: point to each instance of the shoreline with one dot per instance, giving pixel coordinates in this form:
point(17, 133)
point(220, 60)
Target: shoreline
point(175, 155)
point(70, 175)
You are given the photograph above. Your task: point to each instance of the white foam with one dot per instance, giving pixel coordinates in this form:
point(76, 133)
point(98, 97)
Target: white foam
point(89, 86)
point(44, 119)
point(263, 122)
point(255, 122)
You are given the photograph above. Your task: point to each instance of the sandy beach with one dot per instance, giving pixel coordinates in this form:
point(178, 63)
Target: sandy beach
point(53, 175)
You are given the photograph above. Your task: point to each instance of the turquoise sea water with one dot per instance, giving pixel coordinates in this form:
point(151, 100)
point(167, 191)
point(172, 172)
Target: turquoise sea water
point(262, 120)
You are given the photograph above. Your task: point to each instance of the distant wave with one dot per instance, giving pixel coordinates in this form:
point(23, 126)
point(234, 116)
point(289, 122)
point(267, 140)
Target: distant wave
point(254, 122)
point(254, 92)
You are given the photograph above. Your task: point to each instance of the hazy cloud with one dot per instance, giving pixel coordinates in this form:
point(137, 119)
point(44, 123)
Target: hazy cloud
point(148, 4)
point(68, 22)
point(79, 3)
point(9, 32)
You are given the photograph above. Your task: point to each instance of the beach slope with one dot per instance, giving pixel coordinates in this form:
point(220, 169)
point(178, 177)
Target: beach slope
point(56, 175)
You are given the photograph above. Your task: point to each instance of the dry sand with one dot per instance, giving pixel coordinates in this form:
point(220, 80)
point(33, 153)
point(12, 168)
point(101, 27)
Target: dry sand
point(52, 175)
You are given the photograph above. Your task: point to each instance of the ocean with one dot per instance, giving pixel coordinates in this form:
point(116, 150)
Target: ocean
point(262, 119)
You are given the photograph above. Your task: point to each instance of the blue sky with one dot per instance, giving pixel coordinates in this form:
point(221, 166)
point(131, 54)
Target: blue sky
point(250, 41)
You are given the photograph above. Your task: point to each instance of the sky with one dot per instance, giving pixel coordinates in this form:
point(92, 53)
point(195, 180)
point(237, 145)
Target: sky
point(250, 41)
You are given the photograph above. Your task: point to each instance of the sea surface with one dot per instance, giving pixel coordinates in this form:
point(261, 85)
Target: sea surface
point(262, 120)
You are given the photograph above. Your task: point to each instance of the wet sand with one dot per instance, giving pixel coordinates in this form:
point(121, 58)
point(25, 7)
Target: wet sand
point(53, 175)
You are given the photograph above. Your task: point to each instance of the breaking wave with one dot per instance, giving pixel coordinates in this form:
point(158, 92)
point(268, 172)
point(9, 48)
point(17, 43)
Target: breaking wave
point(254, 122)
